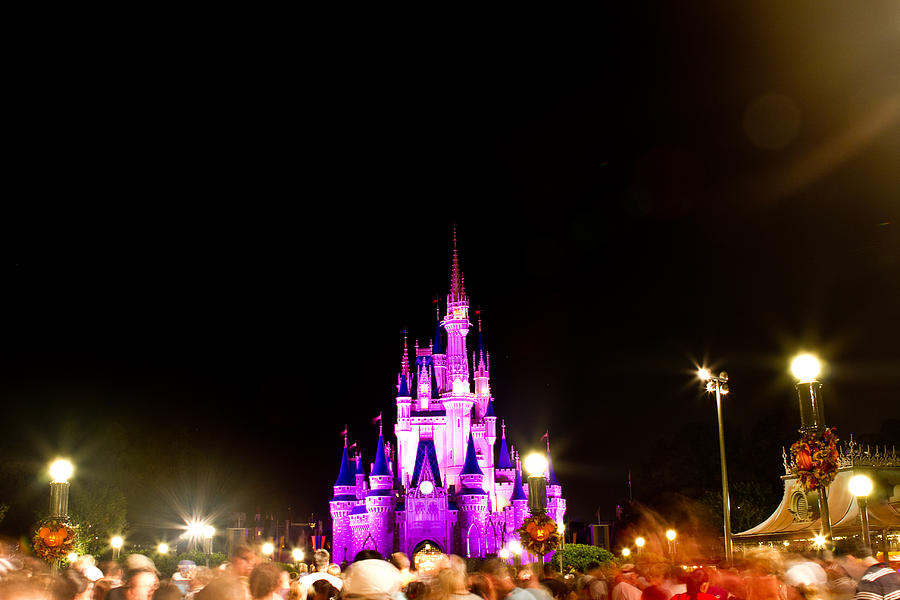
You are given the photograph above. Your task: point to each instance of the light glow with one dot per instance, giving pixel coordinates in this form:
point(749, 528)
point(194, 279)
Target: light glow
point(71, 557)
point(194, 529)
point(268, 549)
point(209, 531)
point(297, 553)
point(163, 548)
point(806, 368)
point(116, 542)
point(671, 534)
point(426, 487)
point(504, 553)
point(626, 552)
point(460, 387)
point(819, 541)
point(860, 485)
point(639, 542)
point(515, 546)
point(61, 470)
point(536, 464)
point(703, 374)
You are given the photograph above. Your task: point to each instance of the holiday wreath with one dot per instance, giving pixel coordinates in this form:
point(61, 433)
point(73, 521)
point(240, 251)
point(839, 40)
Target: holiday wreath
point(53, 539)
point(815, 459)
point(538, 535)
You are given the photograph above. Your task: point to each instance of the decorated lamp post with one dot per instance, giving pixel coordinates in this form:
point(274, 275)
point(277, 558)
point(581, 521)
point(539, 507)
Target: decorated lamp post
point(861, 487)
point(53, 538)
point(116, 542)
point(639, 542)
point(719, 385)
point(814, 456)
point(671, 534)
point(208, 532)
point(539, 532)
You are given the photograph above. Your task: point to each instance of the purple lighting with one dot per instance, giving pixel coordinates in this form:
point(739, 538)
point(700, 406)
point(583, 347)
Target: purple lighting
point(444, 487)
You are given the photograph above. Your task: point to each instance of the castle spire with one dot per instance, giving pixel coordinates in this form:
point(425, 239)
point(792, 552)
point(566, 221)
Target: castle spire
point(404, 388)
point(503, 462)
point(471, 465)
point(346, 476)
point(380, 467)
point(457, 290)
point(551, 476)
point(404, 360)
point(518, 490)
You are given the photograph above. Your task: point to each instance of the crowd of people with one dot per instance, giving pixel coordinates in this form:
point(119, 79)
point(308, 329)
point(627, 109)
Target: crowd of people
point(851, 573)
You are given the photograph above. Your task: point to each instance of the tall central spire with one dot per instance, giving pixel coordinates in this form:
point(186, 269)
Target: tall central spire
point(457, 286)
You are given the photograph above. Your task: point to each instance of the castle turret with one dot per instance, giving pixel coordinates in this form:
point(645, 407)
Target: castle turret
point(341, 505)
point(556, 504)
point(404, 363)
point(456, 324)
point(381, 501)
point(438, 352)
point(518, 503)
point(472, 501)
point(481, 363)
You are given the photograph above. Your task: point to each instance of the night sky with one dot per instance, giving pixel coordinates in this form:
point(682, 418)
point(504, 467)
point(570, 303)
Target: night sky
point(211, 268)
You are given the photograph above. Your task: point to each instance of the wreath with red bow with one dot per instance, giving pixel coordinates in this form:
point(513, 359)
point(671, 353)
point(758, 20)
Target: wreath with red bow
point(814, 458)
point(53, 539)
point(539, 535)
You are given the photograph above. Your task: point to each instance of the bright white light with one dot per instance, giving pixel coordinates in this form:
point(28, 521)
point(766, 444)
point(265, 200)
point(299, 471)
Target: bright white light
point(297, 553)
point(460, 387)
point(703, 374)
point(116, 542)
point(786, 543)
point(806, 368)
point(71, 557)
point(209, 531)
point(515, 546)
point(670, 534)
point(626, 552)
point(639, 542)
point(426, 487)
point(268, 549)
point(194, 529)
point(61, 470)
point(163, 548)
point(860, 485)
point(536, 464)
point(819, 541)
point(504, 553)
point(562, 528)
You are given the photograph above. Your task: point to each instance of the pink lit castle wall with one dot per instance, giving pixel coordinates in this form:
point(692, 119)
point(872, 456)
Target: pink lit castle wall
point(445, 486)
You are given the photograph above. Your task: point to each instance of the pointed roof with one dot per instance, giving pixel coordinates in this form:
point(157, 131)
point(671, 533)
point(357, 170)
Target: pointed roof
point(438, 337)
point(480, 338)
point(471, 466)
point(360, 469)
point(490, 409)
point(380, 467)
point(404, 360)
point(518, 490)
point(551, 478)
point(504, 462)
point(347, 475)
point(426, 455)
point(457, 284)
point(404, 388)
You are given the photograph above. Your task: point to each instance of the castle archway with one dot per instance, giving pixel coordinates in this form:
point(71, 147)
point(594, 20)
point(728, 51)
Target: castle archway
point(426, 556)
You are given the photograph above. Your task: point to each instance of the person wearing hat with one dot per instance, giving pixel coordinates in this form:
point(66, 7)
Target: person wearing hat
point(371, 579)
point(140, 581)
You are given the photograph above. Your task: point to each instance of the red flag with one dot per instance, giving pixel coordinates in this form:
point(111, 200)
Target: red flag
point(546, 435)
point(377, 419)
point(344, 432)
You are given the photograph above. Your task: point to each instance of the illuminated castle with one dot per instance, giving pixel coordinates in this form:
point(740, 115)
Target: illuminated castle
point(445, 487)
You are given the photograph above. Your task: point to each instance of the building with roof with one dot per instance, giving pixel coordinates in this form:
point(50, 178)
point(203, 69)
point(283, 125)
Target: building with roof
point(444, 486)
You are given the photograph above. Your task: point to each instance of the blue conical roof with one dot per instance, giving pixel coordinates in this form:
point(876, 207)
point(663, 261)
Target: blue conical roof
point(380, 467)
point(490, 410)
point(518, 490)
point(435, 395)
point(471, 466)
point(438, 347)
point(404, 388)
point(347, 476)
point(360, 469)
point(504, 462)
point(551, 479)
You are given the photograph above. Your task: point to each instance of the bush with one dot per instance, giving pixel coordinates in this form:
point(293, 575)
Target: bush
point(578, 556)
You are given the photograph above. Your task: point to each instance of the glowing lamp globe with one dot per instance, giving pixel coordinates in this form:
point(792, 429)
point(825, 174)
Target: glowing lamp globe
point(639, 542)
point(562, 528)
point(626, 552)
point(209, 531)
point(194, 529)
point(806, 368)
point(268, 549)
point(116, 542)
point(860, 485)
point(61, 470)
point(71, 557)
point(536, 464)
point(670, 534)
point(819, 541)
point(297, 554)
point(703, 374)
point(504, 553)
point(426, 487)
point(515, 547)
point(163, 548)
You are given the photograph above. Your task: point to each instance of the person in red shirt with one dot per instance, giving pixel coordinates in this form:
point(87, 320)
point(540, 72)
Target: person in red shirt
point(697, 583)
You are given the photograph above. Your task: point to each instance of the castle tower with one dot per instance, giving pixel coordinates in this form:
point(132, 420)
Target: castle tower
point(456, 324)
point(556, 504)
point(438, 356)
point(341, 505)
point(381, 502)
point(472, 501)
point(481, 363)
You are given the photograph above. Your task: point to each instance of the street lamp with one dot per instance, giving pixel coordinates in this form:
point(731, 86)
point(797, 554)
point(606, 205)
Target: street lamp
point(719, 385)
point(626, 552)
point(297, 554)
point(806, 369)
point(163, 548)
point(60, 472)
point(268, 549)
point(671, 535)
point(208, 532)
point(861, 487)
point(639, 542)
point(116, 542)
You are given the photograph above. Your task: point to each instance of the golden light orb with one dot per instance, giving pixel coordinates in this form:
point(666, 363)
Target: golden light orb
point(639, 542)
point(61, 470)
point(515, 547)
point(504, 553)
point(671, 534)
point(268, 548)
point(806, 368)
point(163, 548)
point(72, 557)
point(819, 541)
point(536, 464)
point(626, 552)
point(860, 485)
point(703, 374)
point(297, 554)
point(209, 531)
point(116, 542)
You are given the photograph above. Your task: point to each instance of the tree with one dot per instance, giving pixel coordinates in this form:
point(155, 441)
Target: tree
point(578, 556)
point(97, 508)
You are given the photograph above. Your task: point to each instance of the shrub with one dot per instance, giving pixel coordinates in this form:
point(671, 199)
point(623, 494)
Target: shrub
point(577, 556)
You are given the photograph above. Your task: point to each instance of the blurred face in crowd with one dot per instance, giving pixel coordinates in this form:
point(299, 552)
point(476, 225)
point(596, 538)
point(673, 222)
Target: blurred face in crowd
point(243, 564)
point(142, 586)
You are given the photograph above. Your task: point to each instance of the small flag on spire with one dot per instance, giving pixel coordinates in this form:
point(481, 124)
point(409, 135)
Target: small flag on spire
point(377, 419)
point(546, 436)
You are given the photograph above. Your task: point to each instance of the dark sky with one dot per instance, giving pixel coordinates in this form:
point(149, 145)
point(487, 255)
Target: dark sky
point(214, 260)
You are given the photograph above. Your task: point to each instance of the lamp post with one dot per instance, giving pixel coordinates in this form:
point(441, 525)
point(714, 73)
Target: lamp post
point(671, 534)
point(806, 369)
point(861, 487)
point(208, 532)
point(297, 555)
point(116, 542)
point(60, 472)
point(719, 385)
point(639, 542)
point(536, 466)
point(267, 549)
